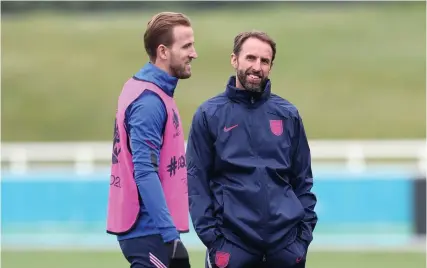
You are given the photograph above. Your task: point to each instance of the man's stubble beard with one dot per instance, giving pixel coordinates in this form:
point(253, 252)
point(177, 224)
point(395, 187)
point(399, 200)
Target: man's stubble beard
point(178, 71)
point(242, 75)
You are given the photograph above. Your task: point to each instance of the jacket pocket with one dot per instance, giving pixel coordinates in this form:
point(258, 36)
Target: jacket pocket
point(219, 205)
point(279, 179)
point(290, 192)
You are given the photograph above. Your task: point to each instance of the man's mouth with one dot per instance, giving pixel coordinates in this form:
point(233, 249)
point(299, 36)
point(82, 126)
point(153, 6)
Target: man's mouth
point(253, 78)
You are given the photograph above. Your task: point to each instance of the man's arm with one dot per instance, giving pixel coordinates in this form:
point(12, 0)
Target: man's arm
point(145, 122)
point(200, 153)
point(303, 180)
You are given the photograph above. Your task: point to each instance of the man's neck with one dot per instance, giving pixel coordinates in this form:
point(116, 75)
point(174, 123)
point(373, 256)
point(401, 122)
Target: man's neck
point(162, 67)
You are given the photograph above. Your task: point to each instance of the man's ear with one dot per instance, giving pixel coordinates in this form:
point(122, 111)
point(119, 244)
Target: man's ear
point(162, 52)
point(234, 60)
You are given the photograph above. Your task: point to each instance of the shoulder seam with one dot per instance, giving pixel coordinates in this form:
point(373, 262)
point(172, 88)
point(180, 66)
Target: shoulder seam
point(217, 107)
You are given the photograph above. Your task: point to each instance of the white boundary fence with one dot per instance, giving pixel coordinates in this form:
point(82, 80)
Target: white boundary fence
point(85, 156)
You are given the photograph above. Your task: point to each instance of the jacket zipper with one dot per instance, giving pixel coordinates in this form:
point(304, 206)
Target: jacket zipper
point(264, 220)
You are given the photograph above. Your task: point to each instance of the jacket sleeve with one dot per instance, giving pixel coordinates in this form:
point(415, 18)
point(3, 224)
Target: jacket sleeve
point(200, 154)
point(303, 180)
point(145, 122)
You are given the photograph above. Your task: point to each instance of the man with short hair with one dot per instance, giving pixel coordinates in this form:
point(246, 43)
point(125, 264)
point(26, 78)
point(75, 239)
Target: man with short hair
point(249, 168)
point(148, 197)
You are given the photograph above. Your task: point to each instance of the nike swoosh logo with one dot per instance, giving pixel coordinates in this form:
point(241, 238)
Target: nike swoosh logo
point(226, 129)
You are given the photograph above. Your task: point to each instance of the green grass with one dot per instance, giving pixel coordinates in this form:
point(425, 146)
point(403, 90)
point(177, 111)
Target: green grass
point(353, 70)
point(69, 259)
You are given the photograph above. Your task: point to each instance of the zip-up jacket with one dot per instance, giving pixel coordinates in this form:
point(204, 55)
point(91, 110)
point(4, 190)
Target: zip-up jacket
point(249, 171)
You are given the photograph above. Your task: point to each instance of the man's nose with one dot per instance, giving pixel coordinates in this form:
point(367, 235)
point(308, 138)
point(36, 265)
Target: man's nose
point(193, 54)
point(256, 66)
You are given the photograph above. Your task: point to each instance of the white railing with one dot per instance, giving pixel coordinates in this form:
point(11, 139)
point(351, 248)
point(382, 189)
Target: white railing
point(86, 155)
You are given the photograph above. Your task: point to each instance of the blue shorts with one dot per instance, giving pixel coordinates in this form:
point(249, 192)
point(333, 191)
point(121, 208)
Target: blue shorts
point(147, 251)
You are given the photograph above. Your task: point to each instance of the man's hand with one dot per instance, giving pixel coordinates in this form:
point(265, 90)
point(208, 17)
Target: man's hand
point(178, 255)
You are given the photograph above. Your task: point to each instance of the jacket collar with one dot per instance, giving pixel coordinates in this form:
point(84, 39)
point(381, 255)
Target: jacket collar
point(153, 74)
point(252, 99)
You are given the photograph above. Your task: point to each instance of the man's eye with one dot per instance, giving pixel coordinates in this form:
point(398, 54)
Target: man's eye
point(187, 46)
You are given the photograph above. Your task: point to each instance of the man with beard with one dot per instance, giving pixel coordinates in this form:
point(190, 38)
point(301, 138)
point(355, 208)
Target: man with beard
point(148, 196)
point(249, 168)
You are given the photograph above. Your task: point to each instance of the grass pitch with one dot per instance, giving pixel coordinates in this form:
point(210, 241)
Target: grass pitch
point(74, 259)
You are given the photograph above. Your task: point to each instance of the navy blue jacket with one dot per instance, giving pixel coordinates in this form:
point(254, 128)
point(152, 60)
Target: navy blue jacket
point(145, 119)
point(250, 178)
